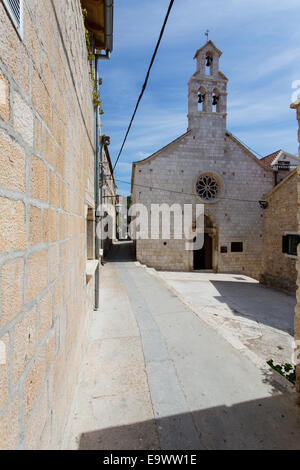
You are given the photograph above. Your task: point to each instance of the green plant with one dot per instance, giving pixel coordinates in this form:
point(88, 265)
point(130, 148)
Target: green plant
point(87, 34)
point(96, 95)
point(91, 57)
point(286, 370)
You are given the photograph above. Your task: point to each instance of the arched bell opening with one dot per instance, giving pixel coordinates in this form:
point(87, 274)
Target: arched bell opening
point(201, 99)
point(208, 64)
point(216, 101)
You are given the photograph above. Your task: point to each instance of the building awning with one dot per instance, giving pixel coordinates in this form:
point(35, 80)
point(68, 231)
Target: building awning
point(99, 22)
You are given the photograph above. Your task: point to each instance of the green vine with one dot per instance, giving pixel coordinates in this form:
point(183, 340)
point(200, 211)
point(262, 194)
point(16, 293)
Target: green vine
point(91, 57)
point(96, 95)
point(87, 35)
point(286, 370)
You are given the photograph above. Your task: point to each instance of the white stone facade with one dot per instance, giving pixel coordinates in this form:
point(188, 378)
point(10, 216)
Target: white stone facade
point(170, 176)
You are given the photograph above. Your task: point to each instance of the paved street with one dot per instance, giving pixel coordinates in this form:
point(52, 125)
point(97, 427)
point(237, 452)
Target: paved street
point(248, 314)
point(156, 376)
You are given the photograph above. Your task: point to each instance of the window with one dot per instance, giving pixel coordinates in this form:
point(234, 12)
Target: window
point(290, 244)
point(237, 247)
point(15, 10)
point(284, 165)
point(90, 233)
point(207, 187)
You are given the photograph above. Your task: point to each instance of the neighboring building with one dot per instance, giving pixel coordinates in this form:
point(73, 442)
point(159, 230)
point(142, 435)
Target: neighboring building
point(122, 217)
point(47, 213)
point(296, 106)
point(207, 164)
point(108, 190)
point(282, 163)
point(281, 235)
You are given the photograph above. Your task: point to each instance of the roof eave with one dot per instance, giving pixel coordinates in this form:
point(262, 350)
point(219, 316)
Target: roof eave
point(99, 23)
point(211, 44)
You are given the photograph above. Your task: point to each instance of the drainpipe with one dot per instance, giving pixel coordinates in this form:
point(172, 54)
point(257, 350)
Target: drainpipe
point(109, 29)
point(109, 24)
point(108, 18)
point(101, 243)
point(97, 195)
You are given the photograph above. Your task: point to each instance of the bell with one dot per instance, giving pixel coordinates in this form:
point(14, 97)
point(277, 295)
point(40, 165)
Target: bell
point(201, 98)
point(215, 100)
point(209, 61)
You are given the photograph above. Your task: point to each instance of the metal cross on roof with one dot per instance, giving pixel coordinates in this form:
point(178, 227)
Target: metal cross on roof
point(207, 33)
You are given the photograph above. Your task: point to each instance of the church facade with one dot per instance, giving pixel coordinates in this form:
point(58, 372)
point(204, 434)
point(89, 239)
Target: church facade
point(207, 165)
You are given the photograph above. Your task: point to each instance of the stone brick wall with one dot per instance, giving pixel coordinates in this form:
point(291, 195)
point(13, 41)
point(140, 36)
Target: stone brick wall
point(296, 106)
point(170, 176)
point(280, 218)
point(237, 214)
point(46, 183)
point(109, 196)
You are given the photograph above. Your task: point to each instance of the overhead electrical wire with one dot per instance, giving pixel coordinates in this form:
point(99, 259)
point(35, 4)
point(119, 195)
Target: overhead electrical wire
point(183, 193)
point(135, 111)
point(247, 146)
point(146, 81)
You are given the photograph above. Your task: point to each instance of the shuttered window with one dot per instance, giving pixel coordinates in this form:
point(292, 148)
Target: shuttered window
point(15, 11)
point(290, 244)
point(237, 247)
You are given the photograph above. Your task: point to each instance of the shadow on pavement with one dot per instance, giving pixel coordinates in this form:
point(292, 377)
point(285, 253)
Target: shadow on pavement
point(121, 252)
point(260, 303)
point(270, 423)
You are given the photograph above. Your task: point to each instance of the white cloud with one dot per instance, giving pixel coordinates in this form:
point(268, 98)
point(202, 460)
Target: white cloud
point(190, 19)
point(259, 40)
point(142, 155)
point(262, 66)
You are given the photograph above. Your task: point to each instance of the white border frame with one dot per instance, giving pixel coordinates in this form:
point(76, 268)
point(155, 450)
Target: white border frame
point(12, 16)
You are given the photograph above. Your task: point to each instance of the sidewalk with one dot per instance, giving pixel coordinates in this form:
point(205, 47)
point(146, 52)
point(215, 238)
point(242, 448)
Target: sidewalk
point(113, 390)
point(157, 377)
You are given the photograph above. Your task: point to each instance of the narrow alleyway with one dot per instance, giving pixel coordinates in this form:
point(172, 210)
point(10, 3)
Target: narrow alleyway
point(157, 377)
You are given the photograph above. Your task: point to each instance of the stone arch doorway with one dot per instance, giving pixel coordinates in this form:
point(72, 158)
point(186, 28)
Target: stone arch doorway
point(205, 259)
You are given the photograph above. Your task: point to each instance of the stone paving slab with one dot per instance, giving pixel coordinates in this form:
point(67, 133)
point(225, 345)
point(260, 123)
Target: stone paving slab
point(260, 318)
point(174, 382)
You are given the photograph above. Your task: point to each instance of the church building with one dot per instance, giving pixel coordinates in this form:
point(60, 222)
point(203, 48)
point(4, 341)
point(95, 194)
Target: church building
point(207, 165)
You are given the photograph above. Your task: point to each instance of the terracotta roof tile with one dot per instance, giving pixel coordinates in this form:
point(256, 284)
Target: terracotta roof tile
point(268, 160)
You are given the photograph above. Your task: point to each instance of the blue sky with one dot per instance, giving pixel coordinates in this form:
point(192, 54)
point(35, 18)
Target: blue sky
point(260, 40)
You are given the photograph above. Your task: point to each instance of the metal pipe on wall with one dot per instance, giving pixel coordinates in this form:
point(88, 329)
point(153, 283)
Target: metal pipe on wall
point(97, 196)
point(108, 14)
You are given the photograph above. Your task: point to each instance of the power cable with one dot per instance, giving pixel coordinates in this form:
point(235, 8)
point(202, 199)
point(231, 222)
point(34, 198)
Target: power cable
point(247, 146)
point(179, 192)
point(146, 81)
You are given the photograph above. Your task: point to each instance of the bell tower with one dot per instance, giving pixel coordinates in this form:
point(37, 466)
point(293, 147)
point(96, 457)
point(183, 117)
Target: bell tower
point(208, 95)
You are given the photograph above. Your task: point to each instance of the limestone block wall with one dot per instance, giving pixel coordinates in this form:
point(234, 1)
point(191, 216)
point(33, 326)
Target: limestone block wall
point(170, 177)
point(109, 196)
point(280, 219)
point(46, 182)
point(296, 106)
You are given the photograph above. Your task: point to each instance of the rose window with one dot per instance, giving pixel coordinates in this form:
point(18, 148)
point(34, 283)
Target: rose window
point(207, 187)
